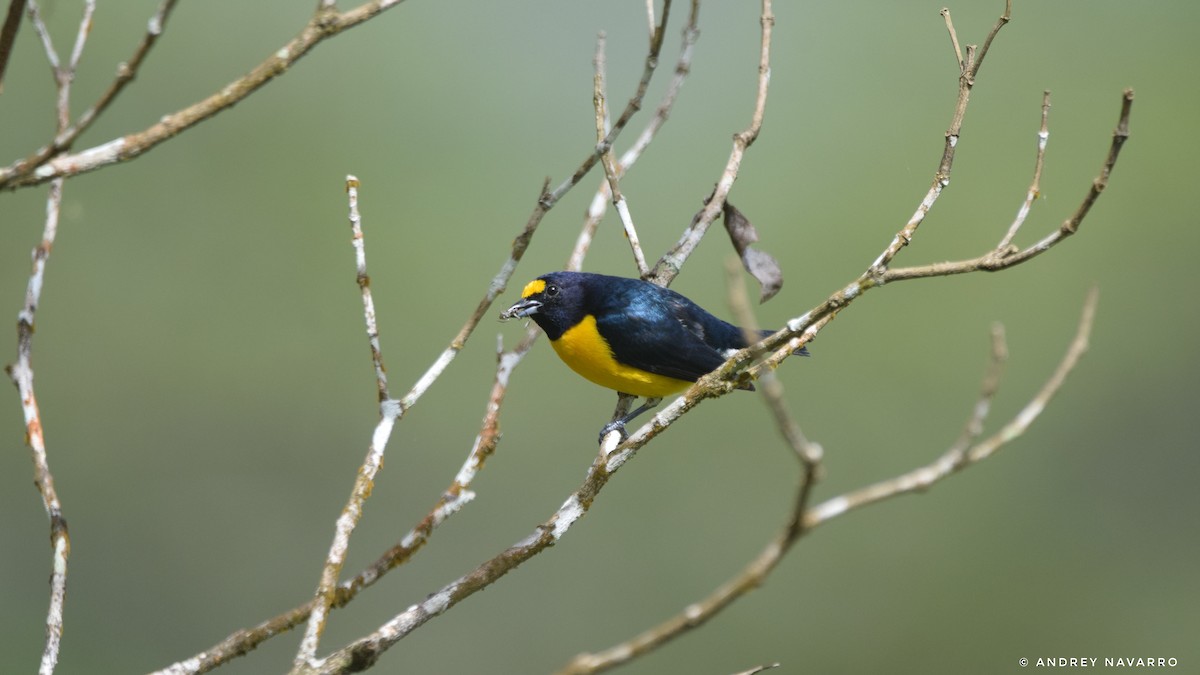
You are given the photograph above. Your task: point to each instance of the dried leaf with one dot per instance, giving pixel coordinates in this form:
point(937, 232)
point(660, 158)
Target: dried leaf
point(761, 265)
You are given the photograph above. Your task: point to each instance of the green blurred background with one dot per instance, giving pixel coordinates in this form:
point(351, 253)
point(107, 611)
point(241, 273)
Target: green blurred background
point(207, 391)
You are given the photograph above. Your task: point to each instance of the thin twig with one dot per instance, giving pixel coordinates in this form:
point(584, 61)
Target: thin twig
point(606, 159)
point(987, 42)
point(1035, 188)
point(43, 33)
point(672, 261)
point(958, 54)
point(998, 356)
point(85, 28)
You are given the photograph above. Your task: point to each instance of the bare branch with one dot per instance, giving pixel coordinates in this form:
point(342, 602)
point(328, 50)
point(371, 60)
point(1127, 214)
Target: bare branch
point(1003, 258)
point(22, 375)
point(987, 42)
point(85, 28)
point(973, 429)
point(958, 54)
point(941, 179)
point(325, 23)
point(364, 285)
point(126, 72)
point(1035, 185)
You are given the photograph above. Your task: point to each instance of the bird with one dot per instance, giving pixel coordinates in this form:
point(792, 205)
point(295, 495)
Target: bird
point(628, 335)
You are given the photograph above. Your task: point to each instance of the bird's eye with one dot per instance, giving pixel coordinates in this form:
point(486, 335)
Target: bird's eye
point(551, 290)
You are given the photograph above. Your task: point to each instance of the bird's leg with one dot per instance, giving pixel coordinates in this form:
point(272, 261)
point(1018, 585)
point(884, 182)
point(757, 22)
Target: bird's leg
point(619, 424)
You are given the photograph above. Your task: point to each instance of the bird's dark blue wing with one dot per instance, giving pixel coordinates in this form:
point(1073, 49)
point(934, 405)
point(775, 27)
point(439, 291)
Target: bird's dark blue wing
point(664, 333)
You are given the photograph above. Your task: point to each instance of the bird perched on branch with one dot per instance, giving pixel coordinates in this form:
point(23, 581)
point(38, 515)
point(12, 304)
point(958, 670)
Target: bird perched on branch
point(628, 335)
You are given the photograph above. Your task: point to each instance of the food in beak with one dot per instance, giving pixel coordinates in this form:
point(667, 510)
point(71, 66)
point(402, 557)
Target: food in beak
point(522, 308)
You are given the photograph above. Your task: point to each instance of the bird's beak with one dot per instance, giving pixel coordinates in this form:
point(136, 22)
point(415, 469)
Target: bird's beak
point(525, 307)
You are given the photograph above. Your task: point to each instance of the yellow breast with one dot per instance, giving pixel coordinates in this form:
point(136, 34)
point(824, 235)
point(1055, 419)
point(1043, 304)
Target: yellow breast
point(587, 353)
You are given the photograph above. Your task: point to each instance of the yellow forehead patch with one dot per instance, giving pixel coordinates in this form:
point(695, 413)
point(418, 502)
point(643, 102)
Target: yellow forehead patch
point(533, 287)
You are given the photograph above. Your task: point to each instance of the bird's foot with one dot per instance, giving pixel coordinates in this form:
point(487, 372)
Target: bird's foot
point(616, 425)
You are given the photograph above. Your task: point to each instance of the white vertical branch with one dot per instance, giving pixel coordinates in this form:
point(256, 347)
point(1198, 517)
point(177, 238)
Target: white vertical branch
point(22, 371)
point(389, 411)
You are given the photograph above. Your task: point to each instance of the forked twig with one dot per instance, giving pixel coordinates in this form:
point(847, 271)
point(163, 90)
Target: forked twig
point(1008, 256)
point(803, 328)
point(126, 72)
point(957, 458)
point(941, 179)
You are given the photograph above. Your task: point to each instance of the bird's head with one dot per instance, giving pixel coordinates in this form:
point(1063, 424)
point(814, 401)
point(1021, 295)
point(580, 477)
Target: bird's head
point(554, 301)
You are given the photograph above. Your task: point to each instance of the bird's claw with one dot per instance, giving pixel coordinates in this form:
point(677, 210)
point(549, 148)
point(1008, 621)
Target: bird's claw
point(618, 425)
